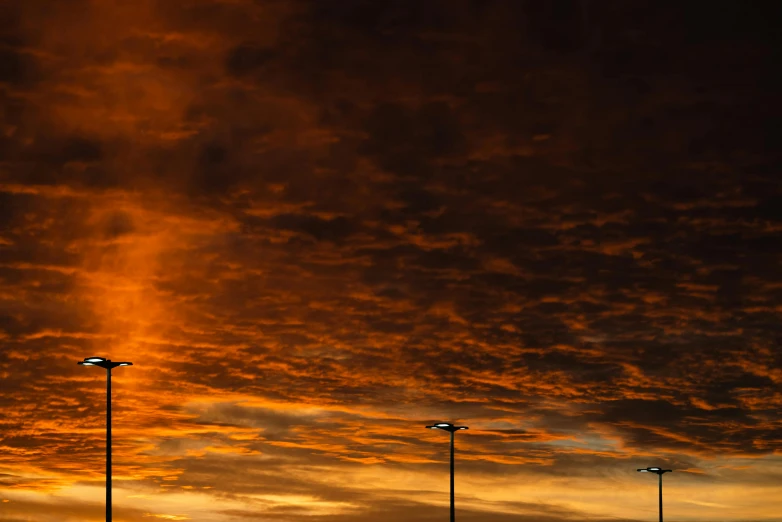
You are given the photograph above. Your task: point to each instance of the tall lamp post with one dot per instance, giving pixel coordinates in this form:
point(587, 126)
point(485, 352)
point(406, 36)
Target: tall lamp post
point(447, 426)
point(660, 472)
point(108, 365)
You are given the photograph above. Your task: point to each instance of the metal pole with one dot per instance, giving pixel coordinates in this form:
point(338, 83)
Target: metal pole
point(108, 445)
point(453, 511)
point(661, 496)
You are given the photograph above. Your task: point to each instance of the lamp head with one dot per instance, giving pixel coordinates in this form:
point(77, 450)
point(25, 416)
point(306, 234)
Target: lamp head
point(446, 426)
point(654, 469)
point(103, 362)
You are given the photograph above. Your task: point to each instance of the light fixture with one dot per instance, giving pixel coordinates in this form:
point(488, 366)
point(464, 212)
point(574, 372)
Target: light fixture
point(108, 365)
point(660, 472)
point(447, 426)
point(103, 363)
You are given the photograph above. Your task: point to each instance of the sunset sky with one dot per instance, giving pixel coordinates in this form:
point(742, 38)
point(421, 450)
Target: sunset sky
point(316, 226)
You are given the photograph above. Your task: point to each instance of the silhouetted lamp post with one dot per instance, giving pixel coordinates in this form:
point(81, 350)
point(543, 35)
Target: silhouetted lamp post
point(447, 426)
point(108, 365)
point(660, 473)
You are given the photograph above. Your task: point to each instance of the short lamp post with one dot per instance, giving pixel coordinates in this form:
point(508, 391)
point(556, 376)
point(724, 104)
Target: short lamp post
point(108, 365)
point(447, 426)
point(660, 472)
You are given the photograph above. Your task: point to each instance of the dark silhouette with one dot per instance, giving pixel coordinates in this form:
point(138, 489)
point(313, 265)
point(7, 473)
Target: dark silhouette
point(447, 426)
point(106, 363)
point(660, 473)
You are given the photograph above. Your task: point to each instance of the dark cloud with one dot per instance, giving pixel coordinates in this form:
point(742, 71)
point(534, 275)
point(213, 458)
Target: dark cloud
point(317, 226)
point(246, 58)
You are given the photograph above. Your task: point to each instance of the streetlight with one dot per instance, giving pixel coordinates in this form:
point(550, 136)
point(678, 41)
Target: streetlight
point(447, 426)
point(108, 364)
point(660, 473)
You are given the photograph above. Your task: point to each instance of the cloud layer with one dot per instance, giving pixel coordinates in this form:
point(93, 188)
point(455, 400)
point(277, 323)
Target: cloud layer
point(315, 227)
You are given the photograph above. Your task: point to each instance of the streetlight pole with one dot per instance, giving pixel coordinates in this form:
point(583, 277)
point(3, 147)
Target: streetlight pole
point(108, 365)
point(453, 508)
point(447, 426)
point(108, 444)
point(660, 472)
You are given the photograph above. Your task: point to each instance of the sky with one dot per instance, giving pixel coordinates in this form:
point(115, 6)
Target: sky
point(315, 227)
